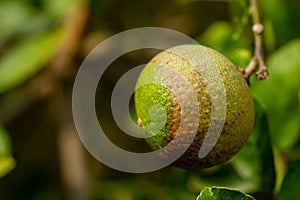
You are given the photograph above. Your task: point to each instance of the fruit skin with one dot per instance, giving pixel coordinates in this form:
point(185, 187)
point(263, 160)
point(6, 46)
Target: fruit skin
point(239, 105)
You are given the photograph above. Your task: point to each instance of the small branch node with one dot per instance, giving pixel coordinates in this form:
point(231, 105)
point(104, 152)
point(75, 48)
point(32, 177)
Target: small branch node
point(258, 28)
point(262, 73)
point(257, 63)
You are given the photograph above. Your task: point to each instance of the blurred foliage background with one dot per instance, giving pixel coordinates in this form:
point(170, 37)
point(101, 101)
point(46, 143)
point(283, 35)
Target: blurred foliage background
point(42, 44)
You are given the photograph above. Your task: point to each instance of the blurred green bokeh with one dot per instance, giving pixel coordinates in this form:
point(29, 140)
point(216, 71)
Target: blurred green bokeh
point(43, 43)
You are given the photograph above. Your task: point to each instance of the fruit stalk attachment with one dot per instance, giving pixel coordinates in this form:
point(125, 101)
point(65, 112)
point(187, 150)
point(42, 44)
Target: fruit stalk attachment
point(258, 60)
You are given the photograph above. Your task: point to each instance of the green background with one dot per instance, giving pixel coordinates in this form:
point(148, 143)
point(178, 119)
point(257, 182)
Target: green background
point(43, 43)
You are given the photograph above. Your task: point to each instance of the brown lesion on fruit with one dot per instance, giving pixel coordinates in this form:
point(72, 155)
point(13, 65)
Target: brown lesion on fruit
point(168, 139)
point(176, 117)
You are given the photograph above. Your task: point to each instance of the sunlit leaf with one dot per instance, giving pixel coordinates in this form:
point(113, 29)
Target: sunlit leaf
point(291, 184)
point(27, 58)
point(7, 164)
point(220, 193)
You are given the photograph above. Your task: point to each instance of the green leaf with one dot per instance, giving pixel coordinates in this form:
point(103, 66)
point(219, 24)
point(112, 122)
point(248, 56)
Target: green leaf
point(221, 193)
point(283, 15)
point(239, 11)
point(13, 15)
point(19, 18)
point(221, 175)
point(291, 184)
point(255, 162)
point(26, 59)
point(60, 9)
point(5, 144)
point(7, 163)
point(280, 94)
point(220, 36)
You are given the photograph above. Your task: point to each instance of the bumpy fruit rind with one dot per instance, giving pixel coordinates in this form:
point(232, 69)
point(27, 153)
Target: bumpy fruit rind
point(239, 104)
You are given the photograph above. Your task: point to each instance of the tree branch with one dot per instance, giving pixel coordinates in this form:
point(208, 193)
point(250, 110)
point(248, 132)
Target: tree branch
point(258, 60)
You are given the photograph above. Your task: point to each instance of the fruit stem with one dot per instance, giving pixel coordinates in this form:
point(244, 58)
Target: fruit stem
point(257, 60)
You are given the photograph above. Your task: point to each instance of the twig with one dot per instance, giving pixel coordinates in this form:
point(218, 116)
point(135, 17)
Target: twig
point(257, 60)
point(72, 161)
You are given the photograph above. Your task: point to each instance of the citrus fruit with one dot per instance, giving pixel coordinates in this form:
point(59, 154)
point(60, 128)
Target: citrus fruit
point(199, 66)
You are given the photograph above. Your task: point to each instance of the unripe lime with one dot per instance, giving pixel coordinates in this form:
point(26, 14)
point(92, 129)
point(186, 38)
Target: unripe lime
point(239, 118)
